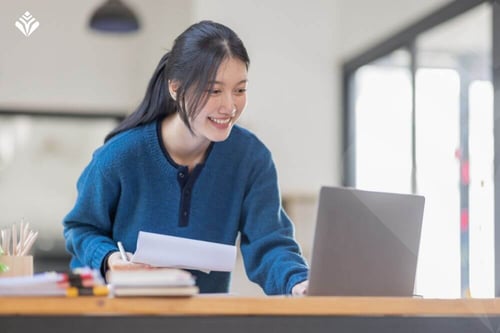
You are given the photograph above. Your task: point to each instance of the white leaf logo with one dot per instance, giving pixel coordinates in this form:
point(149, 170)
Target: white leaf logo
point(27, 24)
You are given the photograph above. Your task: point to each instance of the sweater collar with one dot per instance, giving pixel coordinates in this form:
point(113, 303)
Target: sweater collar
point(169, 159)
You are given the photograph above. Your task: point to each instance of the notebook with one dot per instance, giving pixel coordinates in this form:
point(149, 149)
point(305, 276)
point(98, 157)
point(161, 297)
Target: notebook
point(366, 243)
point(151, 282)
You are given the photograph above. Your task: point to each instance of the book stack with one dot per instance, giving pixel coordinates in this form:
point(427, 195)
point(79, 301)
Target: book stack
point(151, 282)
point(79, 282)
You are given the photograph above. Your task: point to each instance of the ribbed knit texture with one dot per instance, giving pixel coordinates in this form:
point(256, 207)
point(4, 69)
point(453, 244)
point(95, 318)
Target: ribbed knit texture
point(132, 185)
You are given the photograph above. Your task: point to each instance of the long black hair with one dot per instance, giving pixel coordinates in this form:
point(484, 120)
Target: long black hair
point(192, 63)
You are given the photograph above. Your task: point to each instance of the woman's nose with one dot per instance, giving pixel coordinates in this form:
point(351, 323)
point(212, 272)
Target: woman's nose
point(228, 105)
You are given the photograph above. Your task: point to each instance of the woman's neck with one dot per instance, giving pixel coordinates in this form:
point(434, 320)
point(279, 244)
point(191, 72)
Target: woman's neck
point(183, 147)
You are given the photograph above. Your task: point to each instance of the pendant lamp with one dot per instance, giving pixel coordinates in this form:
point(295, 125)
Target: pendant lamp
point(114, 16)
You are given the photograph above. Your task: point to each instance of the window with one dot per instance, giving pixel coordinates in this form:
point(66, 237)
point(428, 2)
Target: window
point(420, 119)
point(41, 158)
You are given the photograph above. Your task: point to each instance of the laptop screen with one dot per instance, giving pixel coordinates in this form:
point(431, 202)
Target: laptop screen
point(366, 243)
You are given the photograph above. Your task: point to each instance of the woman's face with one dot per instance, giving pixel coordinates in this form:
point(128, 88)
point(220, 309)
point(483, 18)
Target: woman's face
point(226, 101)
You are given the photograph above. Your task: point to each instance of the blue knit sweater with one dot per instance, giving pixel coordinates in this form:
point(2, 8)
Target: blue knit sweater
point(132, 184)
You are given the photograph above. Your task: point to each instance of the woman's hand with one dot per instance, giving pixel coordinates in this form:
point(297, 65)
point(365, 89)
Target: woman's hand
point(115, 263)
point(300, 289)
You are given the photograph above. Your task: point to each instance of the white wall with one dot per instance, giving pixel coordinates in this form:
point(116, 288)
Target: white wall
point(364, 23)
point(65, 66)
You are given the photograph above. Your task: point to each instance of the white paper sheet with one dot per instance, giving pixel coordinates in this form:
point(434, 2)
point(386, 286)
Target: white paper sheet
point(169, 251)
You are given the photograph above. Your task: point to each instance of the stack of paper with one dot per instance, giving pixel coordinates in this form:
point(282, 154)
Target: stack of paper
point(81, 282)
point(152, 282)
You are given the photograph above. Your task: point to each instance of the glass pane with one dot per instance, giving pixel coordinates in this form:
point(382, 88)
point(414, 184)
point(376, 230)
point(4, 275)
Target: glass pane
point(454, 157)
point(41, 159)
point(383, 124)
point(437, 139)
point(481, 189)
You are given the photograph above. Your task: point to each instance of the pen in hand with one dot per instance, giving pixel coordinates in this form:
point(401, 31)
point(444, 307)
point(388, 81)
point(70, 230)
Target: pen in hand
point(123, 254)
point(120, 260)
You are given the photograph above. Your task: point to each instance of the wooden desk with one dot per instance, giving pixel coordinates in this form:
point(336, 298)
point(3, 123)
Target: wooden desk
point(234, 314)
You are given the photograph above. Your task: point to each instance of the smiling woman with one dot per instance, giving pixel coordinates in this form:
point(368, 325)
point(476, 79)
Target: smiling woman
point(180, 166)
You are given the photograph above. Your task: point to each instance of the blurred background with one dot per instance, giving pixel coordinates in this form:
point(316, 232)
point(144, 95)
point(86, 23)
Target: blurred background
point(344, 92)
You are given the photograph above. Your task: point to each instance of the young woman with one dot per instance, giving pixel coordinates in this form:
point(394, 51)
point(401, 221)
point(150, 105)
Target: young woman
point(180, 166)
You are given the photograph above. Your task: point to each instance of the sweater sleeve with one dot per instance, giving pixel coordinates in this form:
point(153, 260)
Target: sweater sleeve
point(88, 226)
point(272, 257)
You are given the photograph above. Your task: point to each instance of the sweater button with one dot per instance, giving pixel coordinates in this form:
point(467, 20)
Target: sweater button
point(181, 174)
point(185, 213)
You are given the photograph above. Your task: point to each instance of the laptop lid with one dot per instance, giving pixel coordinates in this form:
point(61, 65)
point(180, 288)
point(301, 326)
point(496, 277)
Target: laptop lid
point(366, 243)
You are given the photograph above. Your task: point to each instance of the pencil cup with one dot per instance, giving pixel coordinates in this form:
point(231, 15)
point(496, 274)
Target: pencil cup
point(18, 265)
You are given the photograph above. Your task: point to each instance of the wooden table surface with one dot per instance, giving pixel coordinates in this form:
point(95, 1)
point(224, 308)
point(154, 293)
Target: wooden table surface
point(211, 305)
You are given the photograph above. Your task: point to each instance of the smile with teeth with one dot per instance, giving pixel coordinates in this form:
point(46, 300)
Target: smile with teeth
point(220, 121)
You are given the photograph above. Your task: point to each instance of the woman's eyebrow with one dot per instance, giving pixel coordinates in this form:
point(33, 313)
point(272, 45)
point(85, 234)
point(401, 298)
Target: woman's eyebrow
point(219, 82)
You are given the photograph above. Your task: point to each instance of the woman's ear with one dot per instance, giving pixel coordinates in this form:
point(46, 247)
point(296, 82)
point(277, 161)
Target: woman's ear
point(173, 85)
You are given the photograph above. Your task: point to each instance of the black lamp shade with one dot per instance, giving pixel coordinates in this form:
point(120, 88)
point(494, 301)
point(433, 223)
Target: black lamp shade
point(114, 16)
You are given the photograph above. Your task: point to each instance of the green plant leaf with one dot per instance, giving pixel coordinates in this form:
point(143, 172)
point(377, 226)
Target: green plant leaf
point(3, 268)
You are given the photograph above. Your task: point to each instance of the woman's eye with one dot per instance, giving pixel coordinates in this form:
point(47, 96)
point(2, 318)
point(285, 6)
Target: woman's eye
point(241, 90)
point(214, 91)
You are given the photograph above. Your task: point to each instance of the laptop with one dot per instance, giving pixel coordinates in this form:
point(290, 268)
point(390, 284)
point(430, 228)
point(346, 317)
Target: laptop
point(365, 243)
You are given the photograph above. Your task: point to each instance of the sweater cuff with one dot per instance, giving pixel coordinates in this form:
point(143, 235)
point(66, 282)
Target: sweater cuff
point(104, 264)
point(295, 279)
point(100, 255)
